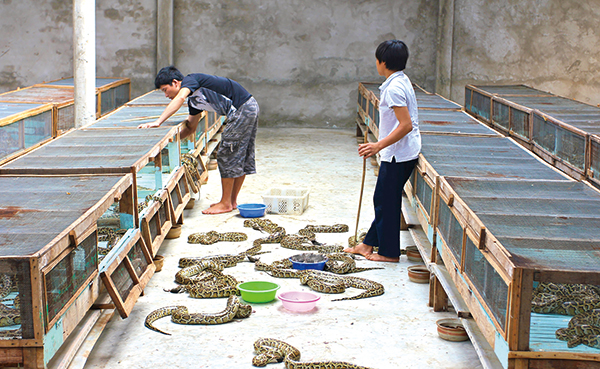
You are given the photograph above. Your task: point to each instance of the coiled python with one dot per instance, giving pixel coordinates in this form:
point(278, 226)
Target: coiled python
point(9, 316)
point(180, 315)
point(565, 299)
point(271, 350)
point(583, 328)
point(208, 238)
point(322, 281)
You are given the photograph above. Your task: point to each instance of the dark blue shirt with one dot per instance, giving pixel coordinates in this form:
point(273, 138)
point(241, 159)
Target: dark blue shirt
point(213, 93)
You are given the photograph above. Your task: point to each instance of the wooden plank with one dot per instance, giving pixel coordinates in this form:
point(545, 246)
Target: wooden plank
point(65, 354)
point(484, 351)
point(445, 280)
point(12, 355)
point(422, 243)
point(554, 355)
point(519, 310)
point(475, 307)
point(80, 358)
point(33, 358)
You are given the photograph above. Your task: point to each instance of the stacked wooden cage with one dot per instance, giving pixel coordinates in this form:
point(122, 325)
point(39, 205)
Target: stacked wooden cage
point(32, 116)
point(563, 132)
point(85, 215)
point(494, 223)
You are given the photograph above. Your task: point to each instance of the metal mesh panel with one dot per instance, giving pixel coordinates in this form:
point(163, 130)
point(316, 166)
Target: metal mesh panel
point(122, 280)
point(456, 122)
point(15, 280)
point(516, 191)
point(121, 94)
point(423, 193)
point(513, 90)
point(543, 133)
point(107, 101)
point(174, 198)
point(138, 259)
point(10, 139)
point(25, 133)
point(520, 123)
point(595, 159)
point(488, 282)
point(501, 115)
point(468, 105)
point(66, 151)
point(570, 147)
point(66, 118)
point(34, 210)
point(569, 255)
point(156, 97)
point(182, 186)
point(132, 116)
point(162, 213)
point(434, 101)
point(371, 111)
point(69, 274)
point(37, 128)
point(486, 157)
point(481, 105)
point(450, 230)
point(152, 224)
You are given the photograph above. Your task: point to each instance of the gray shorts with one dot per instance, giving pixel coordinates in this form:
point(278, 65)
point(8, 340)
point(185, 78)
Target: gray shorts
point(235, 155)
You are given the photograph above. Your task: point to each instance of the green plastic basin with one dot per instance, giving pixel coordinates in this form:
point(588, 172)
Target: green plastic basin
point(258, 291)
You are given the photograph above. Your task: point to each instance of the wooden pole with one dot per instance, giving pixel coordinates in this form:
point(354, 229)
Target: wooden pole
point(362, 187)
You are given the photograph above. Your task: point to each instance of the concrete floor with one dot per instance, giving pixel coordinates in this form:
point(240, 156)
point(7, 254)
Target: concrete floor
point(395, 330)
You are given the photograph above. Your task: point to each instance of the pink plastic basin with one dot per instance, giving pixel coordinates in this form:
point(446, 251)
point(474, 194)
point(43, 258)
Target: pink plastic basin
point(298, 301)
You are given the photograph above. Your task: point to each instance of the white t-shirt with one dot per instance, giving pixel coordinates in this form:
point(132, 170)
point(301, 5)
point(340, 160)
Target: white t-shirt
point(397, 90)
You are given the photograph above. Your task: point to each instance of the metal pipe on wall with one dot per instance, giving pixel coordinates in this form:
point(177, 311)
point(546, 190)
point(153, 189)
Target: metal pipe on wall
point(84, 61)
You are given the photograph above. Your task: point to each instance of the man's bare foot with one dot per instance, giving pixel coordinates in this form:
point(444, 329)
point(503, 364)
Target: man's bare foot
point(376, 257)
point(362, 249)
point(234, 206)
point(217, 208)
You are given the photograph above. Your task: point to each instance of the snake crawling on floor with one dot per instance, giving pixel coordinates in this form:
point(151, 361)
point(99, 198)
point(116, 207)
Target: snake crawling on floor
point(271, 350)
point(180, 315)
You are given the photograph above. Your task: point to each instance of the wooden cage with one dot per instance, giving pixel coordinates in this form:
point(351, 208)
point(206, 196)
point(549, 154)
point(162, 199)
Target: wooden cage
point(538, 232)
point(23, 127)
point(111, 93)
point(151, 155)
point(50, 258)
point(62, 98)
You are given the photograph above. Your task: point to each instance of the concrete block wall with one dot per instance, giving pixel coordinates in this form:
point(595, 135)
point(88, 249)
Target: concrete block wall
point(302, 59)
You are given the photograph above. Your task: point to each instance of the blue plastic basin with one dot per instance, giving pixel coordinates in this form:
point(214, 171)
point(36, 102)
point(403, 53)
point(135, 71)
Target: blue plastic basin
point(252, 210)
point(303, 266)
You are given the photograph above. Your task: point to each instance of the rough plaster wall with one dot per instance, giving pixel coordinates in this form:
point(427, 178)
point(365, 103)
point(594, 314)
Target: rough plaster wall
point(551, 45)
point(126, 42)
point(302, 60)
point(36, 43)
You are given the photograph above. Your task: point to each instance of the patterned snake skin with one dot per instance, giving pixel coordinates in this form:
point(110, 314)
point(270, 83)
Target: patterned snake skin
point(583, 328)
point(565, 299)
point(9, 316)
point(322, 281)
point(180, 315)
point(208, 238)
point(271, 350)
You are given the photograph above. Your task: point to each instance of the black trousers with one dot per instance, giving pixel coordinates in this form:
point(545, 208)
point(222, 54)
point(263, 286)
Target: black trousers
point(387, 199)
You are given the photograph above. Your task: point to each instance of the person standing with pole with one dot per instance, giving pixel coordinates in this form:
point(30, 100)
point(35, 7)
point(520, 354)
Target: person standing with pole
point(235, 156)
point(398, 145)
